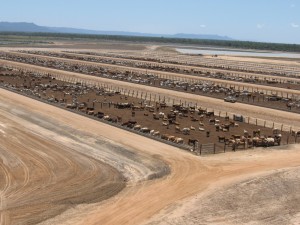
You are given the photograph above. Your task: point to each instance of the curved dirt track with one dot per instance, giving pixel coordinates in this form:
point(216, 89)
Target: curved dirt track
point(269, 89)
point(140, 201)
point(281, 117)
point(47, 168)
point(40, 178)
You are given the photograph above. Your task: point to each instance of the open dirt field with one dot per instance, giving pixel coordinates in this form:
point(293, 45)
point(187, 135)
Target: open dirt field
point(58, 167)
point(269, 198)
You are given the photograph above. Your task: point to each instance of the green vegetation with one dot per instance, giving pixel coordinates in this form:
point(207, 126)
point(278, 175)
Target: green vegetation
point(46, 37)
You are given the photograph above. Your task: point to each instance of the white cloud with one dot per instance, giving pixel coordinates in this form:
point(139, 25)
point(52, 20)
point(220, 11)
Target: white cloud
point(293, 5)
point(202, 25)
point(294, 25)
point(260, 26)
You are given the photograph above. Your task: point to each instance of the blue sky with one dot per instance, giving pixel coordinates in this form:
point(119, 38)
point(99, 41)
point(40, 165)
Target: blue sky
point(257, 20)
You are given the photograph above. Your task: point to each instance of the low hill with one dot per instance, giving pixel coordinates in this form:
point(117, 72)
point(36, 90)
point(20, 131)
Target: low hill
point(31, 27)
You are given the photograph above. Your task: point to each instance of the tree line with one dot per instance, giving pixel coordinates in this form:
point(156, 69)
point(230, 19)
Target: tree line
point(202, 42)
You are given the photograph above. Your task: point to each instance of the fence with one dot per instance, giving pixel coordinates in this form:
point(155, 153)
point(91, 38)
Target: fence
point(181, 146)
point(154, 97)
point(169, 99)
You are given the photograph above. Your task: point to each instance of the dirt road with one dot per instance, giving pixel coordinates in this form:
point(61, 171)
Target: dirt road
point(46, 168)
point(40, 178)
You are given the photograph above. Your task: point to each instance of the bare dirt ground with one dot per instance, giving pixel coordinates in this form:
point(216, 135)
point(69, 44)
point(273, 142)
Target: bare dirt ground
point(190, 175)
point(41, 178)
point(52, 159)
point(270, 198)
point(46, 168)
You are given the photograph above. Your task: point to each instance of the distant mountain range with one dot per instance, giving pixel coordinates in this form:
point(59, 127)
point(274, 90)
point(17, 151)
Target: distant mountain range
point(31, 27)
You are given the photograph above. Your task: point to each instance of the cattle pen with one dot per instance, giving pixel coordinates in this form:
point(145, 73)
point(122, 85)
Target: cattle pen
point(207, 131)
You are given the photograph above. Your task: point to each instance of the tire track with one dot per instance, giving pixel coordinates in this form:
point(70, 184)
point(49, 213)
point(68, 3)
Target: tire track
point(47, 178)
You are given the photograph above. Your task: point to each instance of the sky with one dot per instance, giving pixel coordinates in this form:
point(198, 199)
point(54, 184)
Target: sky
point(254, 20)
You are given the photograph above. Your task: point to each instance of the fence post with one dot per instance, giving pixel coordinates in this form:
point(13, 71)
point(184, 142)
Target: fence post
point(214, 148)
point(200, 148)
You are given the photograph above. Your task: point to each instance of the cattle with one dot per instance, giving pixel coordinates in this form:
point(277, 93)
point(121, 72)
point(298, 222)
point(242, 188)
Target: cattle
point(71, 106)
point(100, 115)
point(156, 134)
point(178, 140)
point(236, 136)
point(201, 129)
point(106, 117)
point(192, 142)
point(165, 136)
point(155, 116)
point(161, 115)
point(90, 112)
point(256, 133)
point(209, 114)
point(295, 133)
point(212, 121)
point(186, 131)
point(145, 130)
point(137, 127)
point(269, 141)
point(171, 138)
point(221, 138)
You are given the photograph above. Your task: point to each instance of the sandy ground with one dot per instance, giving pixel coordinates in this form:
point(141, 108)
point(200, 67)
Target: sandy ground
point(269, 198)
point(286, 61)
point(139, 201)
point(40, 178)
point(47, 168)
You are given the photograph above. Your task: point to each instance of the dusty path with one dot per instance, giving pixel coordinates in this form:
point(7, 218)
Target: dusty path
point(189, 174)
point(40, 178)
point(47, 168)
point(277, 116)
point(272, 198)
point(248, 86)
